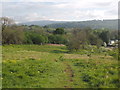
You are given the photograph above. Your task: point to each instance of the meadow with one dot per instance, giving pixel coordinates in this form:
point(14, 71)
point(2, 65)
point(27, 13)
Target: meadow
point(50, 66)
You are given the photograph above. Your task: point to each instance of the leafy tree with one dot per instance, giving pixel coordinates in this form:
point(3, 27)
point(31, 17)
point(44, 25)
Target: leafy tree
point(35, 38)
point(94, 40)
point(59, 31)
point(28, 39)
point(56, 39)
point(114, 34)
point(52, 39)
point(105, 36)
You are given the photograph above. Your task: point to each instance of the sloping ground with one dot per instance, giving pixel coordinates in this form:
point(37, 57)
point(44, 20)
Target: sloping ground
point(35, 66)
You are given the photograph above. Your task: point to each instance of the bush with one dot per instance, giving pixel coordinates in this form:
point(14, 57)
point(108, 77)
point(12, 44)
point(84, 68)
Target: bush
point(57, 39)
point(34, 38)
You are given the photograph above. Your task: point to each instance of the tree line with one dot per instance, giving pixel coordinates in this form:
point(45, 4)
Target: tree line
point(75, 39)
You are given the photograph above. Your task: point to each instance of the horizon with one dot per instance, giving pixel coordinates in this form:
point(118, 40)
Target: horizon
point(67, 21)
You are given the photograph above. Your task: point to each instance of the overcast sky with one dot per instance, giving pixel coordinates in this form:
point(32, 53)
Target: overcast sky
point(62, 10)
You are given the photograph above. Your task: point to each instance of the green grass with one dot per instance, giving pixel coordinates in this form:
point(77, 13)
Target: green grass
point(35, 66)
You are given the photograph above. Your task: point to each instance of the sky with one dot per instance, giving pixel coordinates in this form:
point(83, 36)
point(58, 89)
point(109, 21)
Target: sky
point(59, 10)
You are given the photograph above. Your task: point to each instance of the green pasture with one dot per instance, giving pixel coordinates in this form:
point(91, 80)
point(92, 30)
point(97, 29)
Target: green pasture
point(47, 66)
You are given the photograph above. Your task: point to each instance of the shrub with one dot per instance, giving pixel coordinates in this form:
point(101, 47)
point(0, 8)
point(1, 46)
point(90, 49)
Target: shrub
point(34, 38)
point(57, 39)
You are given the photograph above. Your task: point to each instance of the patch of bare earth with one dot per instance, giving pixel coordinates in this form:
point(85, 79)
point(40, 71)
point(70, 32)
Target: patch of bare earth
point(56, 44)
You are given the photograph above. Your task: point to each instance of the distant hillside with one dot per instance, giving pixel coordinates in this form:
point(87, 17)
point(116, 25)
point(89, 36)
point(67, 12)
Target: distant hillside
point(42, 23)
point(94, 24)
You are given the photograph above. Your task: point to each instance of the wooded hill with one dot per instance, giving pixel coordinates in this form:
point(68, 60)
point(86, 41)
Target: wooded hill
point(94, 24)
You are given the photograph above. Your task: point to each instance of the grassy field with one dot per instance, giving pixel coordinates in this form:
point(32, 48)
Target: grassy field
point(47, 66)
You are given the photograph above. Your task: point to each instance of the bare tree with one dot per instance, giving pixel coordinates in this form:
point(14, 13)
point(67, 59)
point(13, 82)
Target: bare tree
point(5, 21)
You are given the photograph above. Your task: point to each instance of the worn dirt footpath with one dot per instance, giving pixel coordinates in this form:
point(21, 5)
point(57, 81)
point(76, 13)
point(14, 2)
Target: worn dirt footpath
point(69, 72)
